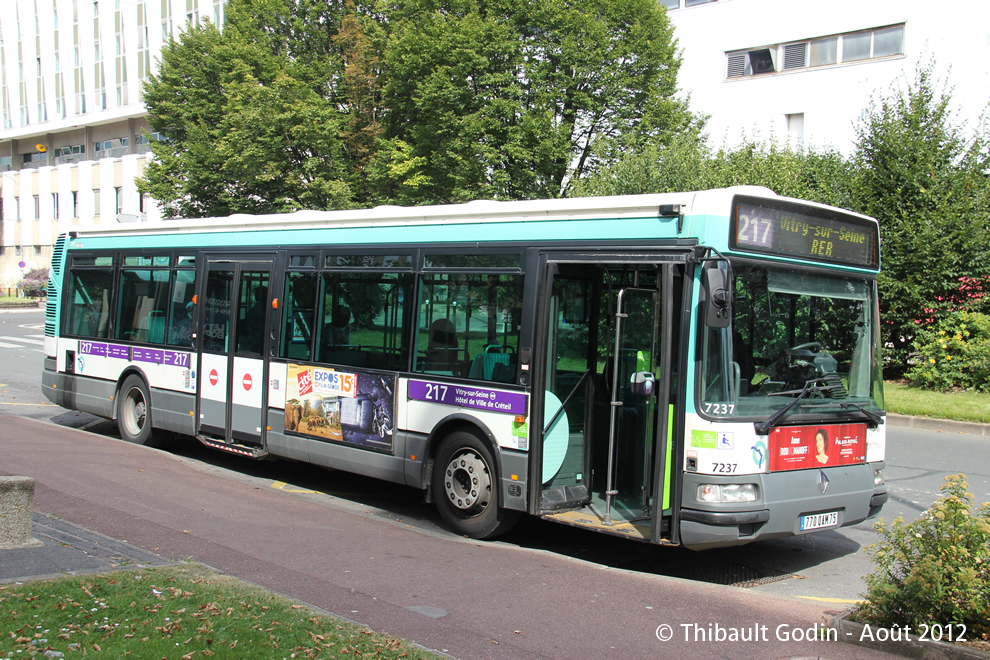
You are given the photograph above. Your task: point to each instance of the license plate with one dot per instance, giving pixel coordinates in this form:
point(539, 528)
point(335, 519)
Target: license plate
point(819, 520)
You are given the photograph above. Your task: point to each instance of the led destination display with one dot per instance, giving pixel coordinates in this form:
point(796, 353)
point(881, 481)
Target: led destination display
point(776, 228)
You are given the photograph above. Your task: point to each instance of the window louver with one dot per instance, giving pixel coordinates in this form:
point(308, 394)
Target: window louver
point(53, 291)
point(737, 66)
point(795, 56)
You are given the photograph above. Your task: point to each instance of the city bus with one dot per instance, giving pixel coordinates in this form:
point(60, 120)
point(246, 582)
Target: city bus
point(698, 369)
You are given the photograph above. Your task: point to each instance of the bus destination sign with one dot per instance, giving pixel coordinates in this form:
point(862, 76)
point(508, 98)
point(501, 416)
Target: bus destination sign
point(781, 228)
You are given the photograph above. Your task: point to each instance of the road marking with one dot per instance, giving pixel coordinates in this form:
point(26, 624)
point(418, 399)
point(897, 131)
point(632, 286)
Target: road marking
point(839, 601)
point(4, 403)
point(24, 340)
point(6, 345)
point(281, 485)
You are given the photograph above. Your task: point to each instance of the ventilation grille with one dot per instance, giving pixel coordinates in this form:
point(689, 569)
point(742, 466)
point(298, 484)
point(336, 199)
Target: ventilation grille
point(54, 289)
point(795, 56)
point(737, 66)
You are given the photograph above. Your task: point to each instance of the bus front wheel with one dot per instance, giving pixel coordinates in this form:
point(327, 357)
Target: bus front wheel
point(465, 487)
point(134, 412)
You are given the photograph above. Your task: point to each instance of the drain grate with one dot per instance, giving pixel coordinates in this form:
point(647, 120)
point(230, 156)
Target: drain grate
point(727, 573)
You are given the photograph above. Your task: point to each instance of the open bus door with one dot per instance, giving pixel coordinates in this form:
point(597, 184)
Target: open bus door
point(234, 320)
point(605, 451)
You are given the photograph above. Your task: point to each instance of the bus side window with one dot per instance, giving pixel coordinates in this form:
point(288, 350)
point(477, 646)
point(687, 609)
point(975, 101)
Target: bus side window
point(180, 323)
point(89, 302)
point(299, 316)
point(363, 320)
point(469, 325)
point(142, 306)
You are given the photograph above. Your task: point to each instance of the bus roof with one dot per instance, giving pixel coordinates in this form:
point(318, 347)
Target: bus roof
point(475, 212)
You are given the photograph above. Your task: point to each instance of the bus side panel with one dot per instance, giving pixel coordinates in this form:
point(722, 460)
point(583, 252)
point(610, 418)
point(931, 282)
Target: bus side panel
point(85, 374)
point(173, 411)
point(87, 395)
point(334, 455)
point(425, 405)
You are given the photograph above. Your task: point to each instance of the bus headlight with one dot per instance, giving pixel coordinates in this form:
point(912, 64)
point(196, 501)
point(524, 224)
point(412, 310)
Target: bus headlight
point(877, 478)
point(728, 493)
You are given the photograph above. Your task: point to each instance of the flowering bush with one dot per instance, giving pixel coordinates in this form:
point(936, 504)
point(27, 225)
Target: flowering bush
point(35, 282)
point(935, 569)
point(954, 352)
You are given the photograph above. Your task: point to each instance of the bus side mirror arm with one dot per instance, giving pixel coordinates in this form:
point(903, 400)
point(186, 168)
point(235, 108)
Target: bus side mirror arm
point(718, 308)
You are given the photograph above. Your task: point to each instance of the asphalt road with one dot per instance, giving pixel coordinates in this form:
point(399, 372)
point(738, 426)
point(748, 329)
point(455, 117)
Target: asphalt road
point(822, 570)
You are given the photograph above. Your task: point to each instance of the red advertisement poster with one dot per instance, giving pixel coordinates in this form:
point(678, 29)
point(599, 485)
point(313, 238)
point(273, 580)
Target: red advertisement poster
point(804, 447)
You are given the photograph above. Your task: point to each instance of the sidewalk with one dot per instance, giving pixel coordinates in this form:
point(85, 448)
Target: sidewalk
point(69, 550)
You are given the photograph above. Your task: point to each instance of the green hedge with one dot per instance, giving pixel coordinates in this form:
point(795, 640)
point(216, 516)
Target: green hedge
point(953, 353)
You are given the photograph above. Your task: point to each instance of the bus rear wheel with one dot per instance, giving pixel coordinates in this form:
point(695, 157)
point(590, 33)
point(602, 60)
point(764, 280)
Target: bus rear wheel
point(465, 487)
point(134, 413)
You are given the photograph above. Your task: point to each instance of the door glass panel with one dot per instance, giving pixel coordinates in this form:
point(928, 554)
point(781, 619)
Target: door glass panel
point(253, 306)
point(571, 364)
point(216, 324)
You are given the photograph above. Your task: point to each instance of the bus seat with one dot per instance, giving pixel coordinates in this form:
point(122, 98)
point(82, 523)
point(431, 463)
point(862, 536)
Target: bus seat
point(156, 327)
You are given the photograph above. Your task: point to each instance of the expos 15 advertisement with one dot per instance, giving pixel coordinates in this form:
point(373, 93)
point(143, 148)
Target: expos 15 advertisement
point(342, 406)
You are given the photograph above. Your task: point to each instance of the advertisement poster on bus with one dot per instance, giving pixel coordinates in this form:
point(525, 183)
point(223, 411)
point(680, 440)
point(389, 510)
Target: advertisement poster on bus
point(354, 408)
point(803, 447)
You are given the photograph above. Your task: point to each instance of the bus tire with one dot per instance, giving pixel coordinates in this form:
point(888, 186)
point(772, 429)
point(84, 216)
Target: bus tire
point(465, 487)
point(134, 412)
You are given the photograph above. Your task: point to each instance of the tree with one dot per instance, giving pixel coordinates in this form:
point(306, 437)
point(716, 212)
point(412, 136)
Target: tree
point(317, 104)
point(249, 116)
point(924, 177)
point(688, 163)
point(512, 99)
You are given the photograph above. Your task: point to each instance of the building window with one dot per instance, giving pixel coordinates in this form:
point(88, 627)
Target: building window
point(856, 47)
point(75, 203)
point(111, 148)
point(37, 207)
point(70, 150)
point(795, 129)
point(824, 51)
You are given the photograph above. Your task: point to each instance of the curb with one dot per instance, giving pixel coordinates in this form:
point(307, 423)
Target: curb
point(932, 424)
point(32, 304)
point(851, 632)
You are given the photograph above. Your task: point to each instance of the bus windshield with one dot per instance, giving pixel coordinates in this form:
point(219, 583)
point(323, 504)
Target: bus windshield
point(794, 335)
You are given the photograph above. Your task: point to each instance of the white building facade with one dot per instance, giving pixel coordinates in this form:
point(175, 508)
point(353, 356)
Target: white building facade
point(804, 72)
point(74, 132)
point(74, 136)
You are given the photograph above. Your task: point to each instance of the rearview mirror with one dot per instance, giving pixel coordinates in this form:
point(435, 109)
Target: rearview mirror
point(718, 299)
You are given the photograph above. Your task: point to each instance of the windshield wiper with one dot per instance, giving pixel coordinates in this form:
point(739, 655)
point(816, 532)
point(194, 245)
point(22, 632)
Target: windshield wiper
point(829, 385)
point(875, 419)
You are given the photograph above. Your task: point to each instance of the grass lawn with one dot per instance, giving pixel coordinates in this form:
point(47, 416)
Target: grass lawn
point(185, 611)
point(962, 406)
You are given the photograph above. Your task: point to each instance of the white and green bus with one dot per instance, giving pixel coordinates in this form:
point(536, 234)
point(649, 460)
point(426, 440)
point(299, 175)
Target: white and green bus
point(699, 369)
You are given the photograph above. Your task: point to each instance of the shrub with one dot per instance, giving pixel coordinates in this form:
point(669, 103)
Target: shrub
point(935, 569)
point(955, 352)
point(35, 282)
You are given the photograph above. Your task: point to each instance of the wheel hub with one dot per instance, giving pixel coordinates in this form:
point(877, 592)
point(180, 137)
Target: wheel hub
point(467, 481)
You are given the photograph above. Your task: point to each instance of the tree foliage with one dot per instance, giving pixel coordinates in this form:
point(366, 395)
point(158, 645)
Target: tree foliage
point(688, 163)
point(315, 104)
point(35, 282)
point(935, 569)
point(924, 177)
